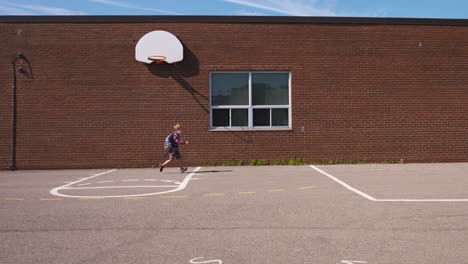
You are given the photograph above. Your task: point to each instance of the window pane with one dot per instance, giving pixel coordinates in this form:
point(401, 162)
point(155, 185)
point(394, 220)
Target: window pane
point(239, 117)
point(230, 88)
point(279, 117)
point(220, 117)
point(261, 117)
point(270, 88)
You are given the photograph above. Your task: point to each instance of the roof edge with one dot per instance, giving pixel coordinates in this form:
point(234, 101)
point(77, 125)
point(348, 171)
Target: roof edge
point(235, 19)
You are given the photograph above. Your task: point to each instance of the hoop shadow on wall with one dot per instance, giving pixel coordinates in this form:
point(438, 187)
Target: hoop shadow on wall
point(22, 66)
point(182, 70)
point(179, 71)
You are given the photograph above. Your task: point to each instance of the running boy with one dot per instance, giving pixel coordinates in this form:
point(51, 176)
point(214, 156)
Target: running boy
point(174, 141)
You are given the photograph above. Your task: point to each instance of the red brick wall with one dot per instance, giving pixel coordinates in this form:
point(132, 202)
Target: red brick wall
point(361, 92)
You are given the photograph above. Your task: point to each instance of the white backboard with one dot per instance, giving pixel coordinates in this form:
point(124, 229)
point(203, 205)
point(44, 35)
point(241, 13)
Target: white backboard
point(159, 43)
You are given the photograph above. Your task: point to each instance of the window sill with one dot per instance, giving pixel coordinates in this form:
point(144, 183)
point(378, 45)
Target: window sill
point(248, 129)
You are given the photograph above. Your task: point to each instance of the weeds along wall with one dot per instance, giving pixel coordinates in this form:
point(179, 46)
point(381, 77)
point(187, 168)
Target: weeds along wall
point(359, 92)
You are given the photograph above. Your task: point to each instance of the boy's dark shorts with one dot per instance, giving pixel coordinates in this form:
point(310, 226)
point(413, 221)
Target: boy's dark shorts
point(175, 154)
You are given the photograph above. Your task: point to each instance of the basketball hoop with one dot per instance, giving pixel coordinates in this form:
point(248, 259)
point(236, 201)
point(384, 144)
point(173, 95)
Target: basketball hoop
point(157, 59)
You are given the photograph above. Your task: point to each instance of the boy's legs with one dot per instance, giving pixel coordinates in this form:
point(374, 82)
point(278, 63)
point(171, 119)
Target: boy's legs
point(178, 156)
point(161, 166)
point(166, 162)
point(171, 158)
point(175, 154)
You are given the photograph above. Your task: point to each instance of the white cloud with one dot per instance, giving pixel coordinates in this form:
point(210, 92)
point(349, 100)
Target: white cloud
point(248, 13)
point(381, 12)
point(15, 11)
point(291, 7)
point(131, 6)
point(47, 10)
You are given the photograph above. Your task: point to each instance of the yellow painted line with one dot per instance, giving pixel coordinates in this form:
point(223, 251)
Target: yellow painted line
point(50, 199)
point(91, 198)
point(172, 196)
point(247, 192)
point(307, 187)
point(213, 194)
point(14, 199)
point(134, 198)
point(275, 190)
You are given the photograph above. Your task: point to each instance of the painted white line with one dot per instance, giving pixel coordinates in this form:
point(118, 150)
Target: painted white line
point(130, 180)
point(214, 261)
point(104, 181)
point(422, 200)
point(166, 181)
point(344, 184)
point(150, 180)
point(83, 184)
point(56, 191)
point(178, 182)
point(383, 200)
point(119, 187)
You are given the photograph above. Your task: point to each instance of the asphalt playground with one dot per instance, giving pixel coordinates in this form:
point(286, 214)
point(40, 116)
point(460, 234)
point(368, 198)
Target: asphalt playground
point(325, 214)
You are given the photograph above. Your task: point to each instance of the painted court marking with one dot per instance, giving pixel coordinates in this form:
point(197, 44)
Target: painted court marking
point(121, 187)
point(275, 190)
point(175, 196)
point(365, 195)
point(214, 261)
point(69, 186)
point(139, 197)
point(307, 187)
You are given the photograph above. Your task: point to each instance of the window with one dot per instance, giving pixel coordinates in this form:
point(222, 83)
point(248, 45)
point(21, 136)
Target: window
point(250, 100)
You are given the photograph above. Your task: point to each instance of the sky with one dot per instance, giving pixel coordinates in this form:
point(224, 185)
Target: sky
point(333, 8)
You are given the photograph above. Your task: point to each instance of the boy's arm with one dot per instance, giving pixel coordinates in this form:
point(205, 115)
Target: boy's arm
point(177, 139)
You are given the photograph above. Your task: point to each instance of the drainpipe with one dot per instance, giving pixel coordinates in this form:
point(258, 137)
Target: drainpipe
point(20, 69)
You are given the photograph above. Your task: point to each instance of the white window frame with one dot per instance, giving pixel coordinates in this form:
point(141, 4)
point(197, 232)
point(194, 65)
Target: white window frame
point(251, 107)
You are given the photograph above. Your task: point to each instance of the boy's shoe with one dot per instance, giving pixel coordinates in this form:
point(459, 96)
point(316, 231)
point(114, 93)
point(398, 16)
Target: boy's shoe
point(182, 169)
point(161, 167)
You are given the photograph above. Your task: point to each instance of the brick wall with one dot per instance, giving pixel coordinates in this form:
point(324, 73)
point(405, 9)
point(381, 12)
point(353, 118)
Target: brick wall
point(360, 92)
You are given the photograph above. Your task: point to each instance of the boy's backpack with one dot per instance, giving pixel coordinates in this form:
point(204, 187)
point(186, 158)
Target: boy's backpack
point(169, 142)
